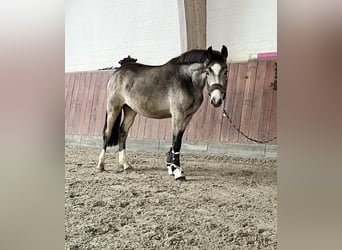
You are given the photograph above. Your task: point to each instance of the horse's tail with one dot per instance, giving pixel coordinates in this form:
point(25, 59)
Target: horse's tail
point(114, 137)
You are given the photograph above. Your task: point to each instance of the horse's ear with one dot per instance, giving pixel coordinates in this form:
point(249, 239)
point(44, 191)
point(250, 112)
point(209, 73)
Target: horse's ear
point(224, 51)
point(210, 52)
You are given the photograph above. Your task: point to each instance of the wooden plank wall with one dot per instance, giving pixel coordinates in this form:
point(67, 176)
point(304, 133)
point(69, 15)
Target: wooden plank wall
point(250, 101)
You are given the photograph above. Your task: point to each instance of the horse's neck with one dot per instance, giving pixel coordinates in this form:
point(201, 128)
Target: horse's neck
point(196, 72)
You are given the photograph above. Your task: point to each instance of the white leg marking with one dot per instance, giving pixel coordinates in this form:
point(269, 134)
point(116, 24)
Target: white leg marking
point(122, 160)
point(100, 165)
point(122, 157)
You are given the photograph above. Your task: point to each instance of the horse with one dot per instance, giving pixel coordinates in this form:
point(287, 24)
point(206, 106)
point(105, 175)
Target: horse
point(174, 89)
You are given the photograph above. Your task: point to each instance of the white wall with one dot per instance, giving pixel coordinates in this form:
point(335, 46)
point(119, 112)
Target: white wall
point(247, 27)
point(99, 33)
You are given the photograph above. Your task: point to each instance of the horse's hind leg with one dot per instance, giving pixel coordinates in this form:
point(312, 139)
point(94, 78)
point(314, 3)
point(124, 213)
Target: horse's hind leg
point(129, 116)
point(110, 134)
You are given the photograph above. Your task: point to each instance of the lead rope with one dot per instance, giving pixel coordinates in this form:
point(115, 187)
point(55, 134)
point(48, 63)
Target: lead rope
point(225, 114)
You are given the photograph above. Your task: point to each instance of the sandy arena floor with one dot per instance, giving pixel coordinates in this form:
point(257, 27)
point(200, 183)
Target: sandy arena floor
point(227, 203)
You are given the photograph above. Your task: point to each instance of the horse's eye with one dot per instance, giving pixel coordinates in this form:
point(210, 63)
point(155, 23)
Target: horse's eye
point(207, 73)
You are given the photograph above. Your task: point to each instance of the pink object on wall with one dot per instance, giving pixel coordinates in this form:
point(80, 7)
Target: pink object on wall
point(267, 54)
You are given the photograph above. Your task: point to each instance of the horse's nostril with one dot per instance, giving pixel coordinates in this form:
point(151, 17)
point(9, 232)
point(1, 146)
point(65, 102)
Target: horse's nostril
point(212, 101)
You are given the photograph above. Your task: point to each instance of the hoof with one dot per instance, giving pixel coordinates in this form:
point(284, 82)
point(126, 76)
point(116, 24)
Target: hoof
point(182, 178)
point(126, 168)
point(100, 168)
point(119, 169)
point(179, 174)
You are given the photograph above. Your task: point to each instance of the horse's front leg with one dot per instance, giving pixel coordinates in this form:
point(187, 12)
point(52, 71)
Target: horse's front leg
point(179, 124)
point(173, 157)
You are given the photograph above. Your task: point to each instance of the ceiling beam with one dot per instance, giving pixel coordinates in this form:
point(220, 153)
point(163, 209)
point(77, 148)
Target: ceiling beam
point(192, 23)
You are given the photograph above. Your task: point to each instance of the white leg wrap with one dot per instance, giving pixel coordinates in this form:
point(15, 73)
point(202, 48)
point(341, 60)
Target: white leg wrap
point(179, 174)
point(169, 169)
point(100, 165)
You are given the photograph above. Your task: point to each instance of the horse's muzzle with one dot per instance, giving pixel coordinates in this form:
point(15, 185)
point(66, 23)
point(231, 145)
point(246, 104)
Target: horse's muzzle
point(218, 86)
point(216, 104)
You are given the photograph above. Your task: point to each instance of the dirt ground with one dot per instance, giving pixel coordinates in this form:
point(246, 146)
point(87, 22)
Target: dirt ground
point(227, 203)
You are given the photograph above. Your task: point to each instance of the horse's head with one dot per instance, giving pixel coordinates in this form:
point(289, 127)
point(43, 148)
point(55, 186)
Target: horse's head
point(216, 75)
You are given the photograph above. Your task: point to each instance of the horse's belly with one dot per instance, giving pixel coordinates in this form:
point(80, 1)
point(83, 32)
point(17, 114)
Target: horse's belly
point(151, 110)
point(157, 116)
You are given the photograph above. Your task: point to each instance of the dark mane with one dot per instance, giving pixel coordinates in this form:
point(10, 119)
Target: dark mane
point(196, 56)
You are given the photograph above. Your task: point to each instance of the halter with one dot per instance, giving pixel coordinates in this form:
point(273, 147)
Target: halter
point(214, 86)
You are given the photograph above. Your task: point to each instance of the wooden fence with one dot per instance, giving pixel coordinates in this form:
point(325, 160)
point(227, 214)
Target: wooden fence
point(251, 102)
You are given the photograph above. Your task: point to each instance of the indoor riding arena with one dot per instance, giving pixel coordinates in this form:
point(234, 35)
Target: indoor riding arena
point(228, 153)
